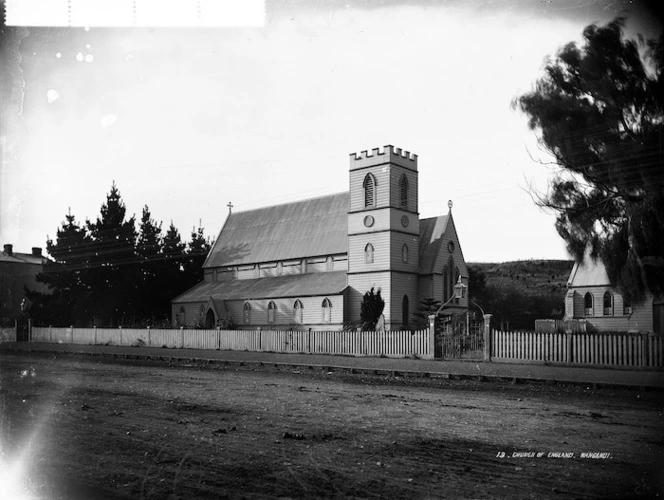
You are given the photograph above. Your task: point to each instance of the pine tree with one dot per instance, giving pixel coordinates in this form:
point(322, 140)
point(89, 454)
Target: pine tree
point(149, 249)
point(172, 269)
point(425, 308)
point(114, 271)
point(197, 251)
point(65, 274)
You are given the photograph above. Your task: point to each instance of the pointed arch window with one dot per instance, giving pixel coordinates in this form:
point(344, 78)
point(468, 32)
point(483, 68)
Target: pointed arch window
point(369, 186)
point(588, 304)
point(608, 304)
point(445, 285)
point(403, 191)
point(369, 254)
point(247, 313)
point(297, 312)
point(404, 253)
point(327, 311)
point(404, 311)
point(271, 312)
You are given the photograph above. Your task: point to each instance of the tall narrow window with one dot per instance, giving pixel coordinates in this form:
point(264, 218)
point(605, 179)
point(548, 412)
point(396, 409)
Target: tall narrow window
point(329, 263)
point(445, 285)
point(403, 190)
point(327, 311)
point(247, 313)
point(368, 254)
point(627, 306)
point(404, 311)
point(297, 312)
point(450, 277)
point(404, 253)
point(456, 280)
point(271, 310)
point(608, 304)
point(588, 304)
point(369, 190)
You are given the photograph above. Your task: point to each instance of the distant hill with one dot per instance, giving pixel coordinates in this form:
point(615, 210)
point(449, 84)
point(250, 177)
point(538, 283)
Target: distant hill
point(517, 293)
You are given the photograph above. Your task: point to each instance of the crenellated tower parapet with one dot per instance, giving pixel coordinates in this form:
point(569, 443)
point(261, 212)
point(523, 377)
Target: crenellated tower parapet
point(378, 156)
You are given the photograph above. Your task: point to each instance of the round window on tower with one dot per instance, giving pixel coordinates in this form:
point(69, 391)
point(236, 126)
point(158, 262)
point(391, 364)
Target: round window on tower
point(368, 221)
point(405, 221)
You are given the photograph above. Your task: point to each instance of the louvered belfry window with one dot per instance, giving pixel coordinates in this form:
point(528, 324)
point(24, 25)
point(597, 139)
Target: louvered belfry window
point(403, 189)
point(369, 191)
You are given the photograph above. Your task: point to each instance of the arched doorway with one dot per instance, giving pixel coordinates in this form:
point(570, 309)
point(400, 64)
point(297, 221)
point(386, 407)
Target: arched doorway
point(209, 319)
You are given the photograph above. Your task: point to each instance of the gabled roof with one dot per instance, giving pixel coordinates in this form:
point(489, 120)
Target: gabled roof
point(295, 285)
point(308, 228)
point(432, 231)
point(589, 272)
point(22, 258)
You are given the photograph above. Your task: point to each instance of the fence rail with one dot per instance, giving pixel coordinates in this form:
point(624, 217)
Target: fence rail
point(390, 344)
point(560, 325)
point(621, 350)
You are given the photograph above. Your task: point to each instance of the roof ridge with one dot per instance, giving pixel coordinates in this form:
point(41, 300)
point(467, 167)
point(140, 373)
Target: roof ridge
point(291, 202)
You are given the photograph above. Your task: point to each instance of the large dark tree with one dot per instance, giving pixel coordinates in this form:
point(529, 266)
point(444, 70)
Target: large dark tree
point(114, 275)
point(197, 251)
point(150, 252)
point(599, 110)
point(371, 308)
point(173, 264)
point(66, 275)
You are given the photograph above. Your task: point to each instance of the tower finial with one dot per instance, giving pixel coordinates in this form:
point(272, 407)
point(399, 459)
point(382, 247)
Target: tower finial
point(230, 207)
point(450, 204)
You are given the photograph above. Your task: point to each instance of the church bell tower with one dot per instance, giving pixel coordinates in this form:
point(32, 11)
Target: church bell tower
point(383, 233)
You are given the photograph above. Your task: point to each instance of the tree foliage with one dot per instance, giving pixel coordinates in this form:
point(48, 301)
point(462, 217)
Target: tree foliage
point(108, 274)
point(371, 308)
point(599, 110)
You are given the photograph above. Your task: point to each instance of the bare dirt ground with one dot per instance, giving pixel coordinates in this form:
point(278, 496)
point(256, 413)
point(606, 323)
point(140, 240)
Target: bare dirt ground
point(78, 427)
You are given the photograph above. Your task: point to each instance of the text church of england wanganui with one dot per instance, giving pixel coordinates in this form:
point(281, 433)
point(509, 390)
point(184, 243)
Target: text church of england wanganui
point(307, 264)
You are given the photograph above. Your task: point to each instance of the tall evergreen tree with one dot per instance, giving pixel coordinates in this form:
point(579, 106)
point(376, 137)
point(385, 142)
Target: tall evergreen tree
point(65, 274)
point(149, 249)
point(113, 273)
point(197, 251)
point(173, 263)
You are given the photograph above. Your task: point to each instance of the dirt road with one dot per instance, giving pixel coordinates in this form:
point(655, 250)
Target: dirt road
point(93, 428)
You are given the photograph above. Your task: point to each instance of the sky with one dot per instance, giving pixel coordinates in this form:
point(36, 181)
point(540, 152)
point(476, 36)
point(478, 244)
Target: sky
point(186, 120)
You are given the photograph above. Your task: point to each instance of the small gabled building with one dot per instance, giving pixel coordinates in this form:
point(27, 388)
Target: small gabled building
point(307, 264)
point(591, 296)
point(18, 271)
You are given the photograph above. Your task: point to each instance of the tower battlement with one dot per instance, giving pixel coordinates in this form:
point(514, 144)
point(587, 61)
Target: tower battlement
point(389, 154)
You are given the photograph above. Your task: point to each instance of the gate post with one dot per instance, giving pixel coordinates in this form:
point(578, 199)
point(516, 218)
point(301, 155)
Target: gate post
point(432, 336)
point(487, 337)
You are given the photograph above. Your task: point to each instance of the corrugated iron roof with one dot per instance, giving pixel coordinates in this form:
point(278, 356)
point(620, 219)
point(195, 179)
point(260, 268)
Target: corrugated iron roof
point(308, 228)
point(296, 285)
point(589, 272)
point(431, 236)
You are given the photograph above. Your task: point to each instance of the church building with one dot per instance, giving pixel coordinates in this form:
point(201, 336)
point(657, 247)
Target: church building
point(307, 264)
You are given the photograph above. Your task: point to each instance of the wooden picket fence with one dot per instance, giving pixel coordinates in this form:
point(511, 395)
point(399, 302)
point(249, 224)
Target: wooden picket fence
point(620, 350)
point(353, 343)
